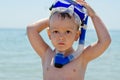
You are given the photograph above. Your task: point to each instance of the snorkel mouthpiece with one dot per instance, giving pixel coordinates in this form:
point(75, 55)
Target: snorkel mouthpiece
point(72, 8)
point(60, 60)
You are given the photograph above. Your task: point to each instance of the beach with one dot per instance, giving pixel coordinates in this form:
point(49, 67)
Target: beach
point(18, 60)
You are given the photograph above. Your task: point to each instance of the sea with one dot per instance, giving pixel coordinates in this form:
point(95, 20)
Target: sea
point(19, 61)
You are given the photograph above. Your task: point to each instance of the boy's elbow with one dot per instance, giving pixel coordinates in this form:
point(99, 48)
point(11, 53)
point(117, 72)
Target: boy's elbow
point(29, 29)
point(107, 41)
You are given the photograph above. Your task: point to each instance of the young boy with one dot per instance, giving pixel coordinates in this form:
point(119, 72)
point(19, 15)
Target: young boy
point(63, 31)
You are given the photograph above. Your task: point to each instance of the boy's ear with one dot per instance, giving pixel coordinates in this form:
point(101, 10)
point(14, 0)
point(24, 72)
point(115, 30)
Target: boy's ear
point(77, 35)
point(48, 32)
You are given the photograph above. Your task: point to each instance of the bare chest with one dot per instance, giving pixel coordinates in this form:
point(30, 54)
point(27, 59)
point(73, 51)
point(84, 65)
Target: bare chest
point(72, 71)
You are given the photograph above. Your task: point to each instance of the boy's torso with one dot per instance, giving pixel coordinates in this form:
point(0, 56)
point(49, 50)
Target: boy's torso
point(75, 70)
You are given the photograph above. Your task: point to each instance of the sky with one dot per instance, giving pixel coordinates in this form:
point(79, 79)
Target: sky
point(20, 13)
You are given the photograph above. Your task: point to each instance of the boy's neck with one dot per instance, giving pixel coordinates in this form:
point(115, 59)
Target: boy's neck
point(67, 52)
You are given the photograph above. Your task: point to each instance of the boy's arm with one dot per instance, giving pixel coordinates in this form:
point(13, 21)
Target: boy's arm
point(35, 39)
point(96, 49)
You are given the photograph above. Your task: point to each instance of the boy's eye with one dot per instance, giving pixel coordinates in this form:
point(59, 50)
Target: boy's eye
point(55, 32)
point(68, 32)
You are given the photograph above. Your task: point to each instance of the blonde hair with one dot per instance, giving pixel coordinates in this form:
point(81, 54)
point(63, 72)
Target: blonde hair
point(64, 15)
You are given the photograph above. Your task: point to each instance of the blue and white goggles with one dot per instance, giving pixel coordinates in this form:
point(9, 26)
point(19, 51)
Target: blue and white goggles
point(70, 7)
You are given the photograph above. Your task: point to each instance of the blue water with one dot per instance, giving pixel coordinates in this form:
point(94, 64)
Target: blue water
point(18, 60)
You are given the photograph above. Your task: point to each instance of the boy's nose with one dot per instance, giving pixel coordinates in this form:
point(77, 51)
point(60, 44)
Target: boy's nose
point(61, 36)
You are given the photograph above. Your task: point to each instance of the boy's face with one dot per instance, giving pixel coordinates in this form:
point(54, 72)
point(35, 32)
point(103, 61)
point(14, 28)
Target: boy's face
point(63, 32)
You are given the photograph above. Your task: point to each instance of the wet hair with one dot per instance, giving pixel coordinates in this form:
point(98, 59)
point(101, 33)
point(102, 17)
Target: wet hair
point(64, 15)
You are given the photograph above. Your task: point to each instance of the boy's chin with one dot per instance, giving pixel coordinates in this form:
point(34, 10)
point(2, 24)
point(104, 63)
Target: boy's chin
point(61, 50)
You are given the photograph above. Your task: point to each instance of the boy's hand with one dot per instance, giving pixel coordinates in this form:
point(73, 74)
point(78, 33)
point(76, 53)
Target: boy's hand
point(90, 11)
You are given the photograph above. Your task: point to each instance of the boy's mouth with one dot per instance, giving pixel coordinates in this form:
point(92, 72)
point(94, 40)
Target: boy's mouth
point(61, 43)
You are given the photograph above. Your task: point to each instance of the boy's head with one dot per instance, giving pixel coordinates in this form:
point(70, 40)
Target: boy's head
point(63, 30)
point(66, 18)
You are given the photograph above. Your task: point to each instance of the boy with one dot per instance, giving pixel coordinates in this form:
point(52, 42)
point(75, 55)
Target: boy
point(62, 36)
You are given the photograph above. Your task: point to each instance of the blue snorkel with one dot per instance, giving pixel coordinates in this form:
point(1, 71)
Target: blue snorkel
point(72, 8)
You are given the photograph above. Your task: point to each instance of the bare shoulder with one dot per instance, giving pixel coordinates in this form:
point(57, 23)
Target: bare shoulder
point(49, 53)
point(48, 56)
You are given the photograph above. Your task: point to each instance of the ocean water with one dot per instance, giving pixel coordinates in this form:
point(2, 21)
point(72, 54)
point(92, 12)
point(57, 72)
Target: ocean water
point(18, 60)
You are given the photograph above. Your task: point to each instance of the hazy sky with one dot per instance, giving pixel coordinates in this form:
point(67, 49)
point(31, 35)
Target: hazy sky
point(19, 13)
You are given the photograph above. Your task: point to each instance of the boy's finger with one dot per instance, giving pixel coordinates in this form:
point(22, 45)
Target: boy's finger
point(83, 3)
